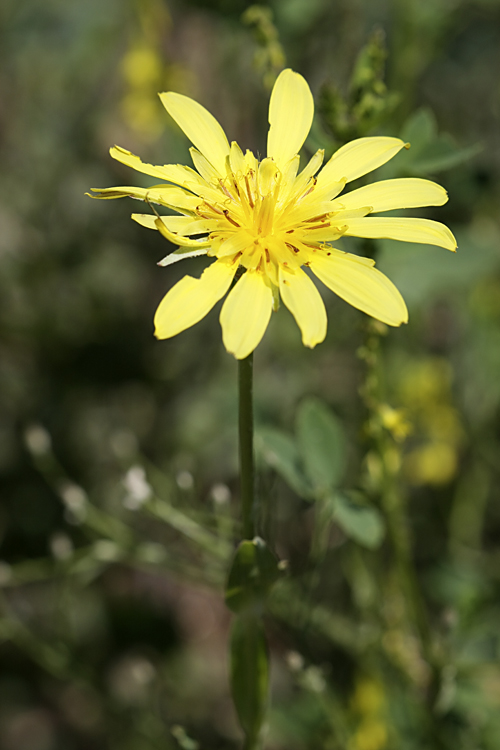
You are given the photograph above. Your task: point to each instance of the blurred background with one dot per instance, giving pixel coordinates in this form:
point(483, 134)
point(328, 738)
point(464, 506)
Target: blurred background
point(118, 453)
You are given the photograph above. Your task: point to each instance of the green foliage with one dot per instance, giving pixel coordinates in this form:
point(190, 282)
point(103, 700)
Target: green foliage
point(313, 466)
point(360, 522)
point(253, 572)
point(423, 274)
point(118, 464)
point(368, 102)
point(249, 675)
point(269, 57)
point(314, 462)
point(430, 151)
point(321, 444)
point(280, 451)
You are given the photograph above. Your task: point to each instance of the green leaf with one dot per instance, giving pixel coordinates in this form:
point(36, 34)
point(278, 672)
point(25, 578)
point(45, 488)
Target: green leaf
point(253, 572)
point(249, 674)
point(431, 152)
point(419, 129)
point(361, 523)
point(443, 154)
point(452, 273)
point(321, 442)
point(278, 449)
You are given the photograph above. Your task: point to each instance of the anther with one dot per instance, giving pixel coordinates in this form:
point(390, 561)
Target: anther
point(314, 181)
point(323, 225)
point(224, 189)
point(321, 217)
point(226, 214)
point(250, 199)
point(216, 210)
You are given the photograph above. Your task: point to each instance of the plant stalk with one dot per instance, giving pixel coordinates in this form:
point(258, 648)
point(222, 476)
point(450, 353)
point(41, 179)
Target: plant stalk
point(247, 481)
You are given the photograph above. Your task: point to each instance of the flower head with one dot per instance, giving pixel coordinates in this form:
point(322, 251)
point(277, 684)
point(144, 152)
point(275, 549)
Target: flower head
point(268, 220)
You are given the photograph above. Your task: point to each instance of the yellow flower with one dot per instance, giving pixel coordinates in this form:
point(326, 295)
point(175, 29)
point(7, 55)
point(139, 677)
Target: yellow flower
point(269, 220)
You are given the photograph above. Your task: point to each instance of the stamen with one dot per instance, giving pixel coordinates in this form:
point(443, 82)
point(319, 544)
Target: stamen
point(213, 208)
point(321, 217)
point(324, 225)
point(314, 181)
point(250, 199)
point(225, 190)
point(292, 247)
point(264, 218)
point(226, 214)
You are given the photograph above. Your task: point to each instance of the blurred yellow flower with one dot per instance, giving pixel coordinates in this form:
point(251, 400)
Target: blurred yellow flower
point(434, 463)
point(371, 735)
point(269, 220)
point(426, 391)
point(368, 702)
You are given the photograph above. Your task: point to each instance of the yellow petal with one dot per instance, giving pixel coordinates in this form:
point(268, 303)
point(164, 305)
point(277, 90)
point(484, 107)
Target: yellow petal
point(149, 221)
point(267, 174)
point(359, 157)
point(361, 285)
point(176, 173)
point(424, 231)
point(286, 254)
point(293, 189)
point(245, 314)
point(191, 299)
point(236, 242)
point(182, 253)
point(178, 239)
point(123, 191)
point(200, 126)
point(163, 195)
point(183, 225)
point(386, 195)
point(209, 173)
point(236, 158)
point(304, 302)
point(291, 112)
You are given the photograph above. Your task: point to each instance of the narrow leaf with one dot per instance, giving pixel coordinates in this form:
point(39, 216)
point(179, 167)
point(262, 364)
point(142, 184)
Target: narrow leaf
point(249, 674)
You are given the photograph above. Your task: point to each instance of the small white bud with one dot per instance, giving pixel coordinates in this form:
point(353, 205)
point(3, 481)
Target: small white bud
point(185, 480)
point(221, 494)
point(37, 440)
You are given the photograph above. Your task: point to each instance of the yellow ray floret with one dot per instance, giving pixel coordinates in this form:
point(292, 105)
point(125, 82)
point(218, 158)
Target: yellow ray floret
point(265, 223)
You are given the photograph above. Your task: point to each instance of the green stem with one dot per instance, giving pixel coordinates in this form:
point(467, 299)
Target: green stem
point(245, 378)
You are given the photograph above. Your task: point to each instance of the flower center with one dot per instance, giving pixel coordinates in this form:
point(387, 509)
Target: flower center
point(263, 216)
